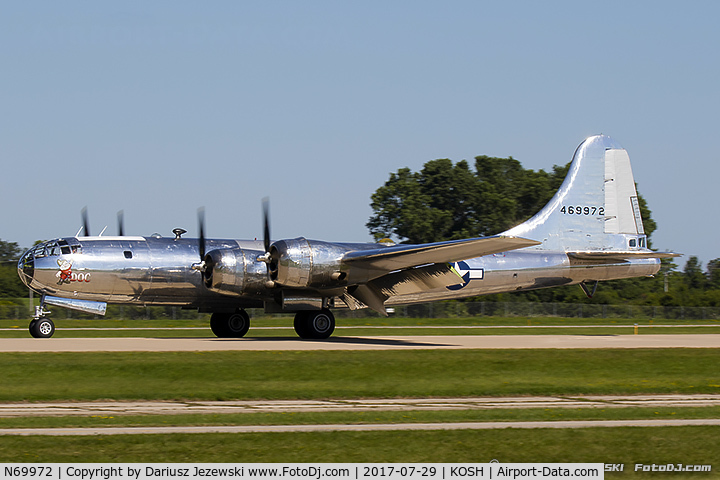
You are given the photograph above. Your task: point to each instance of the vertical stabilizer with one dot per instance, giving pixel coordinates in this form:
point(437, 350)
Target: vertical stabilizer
point(595, 209)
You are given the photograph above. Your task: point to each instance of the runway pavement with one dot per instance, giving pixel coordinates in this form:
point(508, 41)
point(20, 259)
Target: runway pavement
point(358, 343)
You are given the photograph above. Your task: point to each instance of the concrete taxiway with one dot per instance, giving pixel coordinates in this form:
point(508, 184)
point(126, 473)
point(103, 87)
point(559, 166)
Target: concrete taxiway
point(358, 343)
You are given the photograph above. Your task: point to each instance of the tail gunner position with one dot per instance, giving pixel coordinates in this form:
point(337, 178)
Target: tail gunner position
point(590, 230)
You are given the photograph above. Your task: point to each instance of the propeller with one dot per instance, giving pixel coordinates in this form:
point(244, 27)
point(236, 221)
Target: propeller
point(201, 233)
point(84, 215)
point(121, 218)
point(207, 263)
point(202, 266)
point(267, 257)
point(266, 223)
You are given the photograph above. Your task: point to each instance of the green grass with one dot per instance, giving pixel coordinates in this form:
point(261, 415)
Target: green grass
point(687, 445)
point(355, 374)
point(372, 374)
point(246, 375)
point(366, 417)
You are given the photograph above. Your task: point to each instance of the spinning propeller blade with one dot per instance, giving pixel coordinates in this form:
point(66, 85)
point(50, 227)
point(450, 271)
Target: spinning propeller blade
point(201, 234)
point(266, 223)
point(86, 228)
point(121, 230)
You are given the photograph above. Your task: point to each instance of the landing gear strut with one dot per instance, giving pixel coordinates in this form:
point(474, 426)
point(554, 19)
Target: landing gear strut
point(314, 324)
point(230, 325)
point(41, 326)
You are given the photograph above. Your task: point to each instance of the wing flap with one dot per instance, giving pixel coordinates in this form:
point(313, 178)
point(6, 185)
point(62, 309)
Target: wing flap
point(415, 280)
point(403, 282)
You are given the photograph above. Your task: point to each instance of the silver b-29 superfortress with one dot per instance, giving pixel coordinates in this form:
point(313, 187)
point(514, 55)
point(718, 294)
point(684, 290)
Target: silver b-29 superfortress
point(591, 230)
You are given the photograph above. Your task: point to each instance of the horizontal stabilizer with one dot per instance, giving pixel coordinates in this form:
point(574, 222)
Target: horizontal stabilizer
point(615, 256)
point(399, 257)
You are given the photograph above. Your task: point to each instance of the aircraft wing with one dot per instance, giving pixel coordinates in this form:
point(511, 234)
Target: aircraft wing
point(400, 257)
point(401, 269)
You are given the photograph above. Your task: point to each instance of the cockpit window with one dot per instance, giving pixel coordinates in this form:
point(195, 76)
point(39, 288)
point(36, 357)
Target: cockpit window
point(633, 243)
point(64, 247)
point(39, 251)
point(55, 248)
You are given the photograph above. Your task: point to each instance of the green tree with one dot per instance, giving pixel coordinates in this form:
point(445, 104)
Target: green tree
point(10, 284)
point(694, 276)
point(9, 251)
point(713, 273)
point(648, 223)
point(446, 201)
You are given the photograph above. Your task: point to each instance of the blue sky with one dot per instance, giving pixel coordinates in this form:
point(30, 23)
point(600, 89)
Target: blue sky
point(157, 108)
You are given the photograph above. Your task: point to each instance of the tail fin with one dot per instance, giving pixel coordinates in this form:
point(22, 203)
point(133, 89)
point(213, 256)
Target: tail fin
point(595, 209)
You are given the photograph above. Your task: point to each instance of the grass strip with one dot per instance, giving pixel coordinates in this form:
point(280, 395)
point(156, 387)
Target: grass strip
point(367, 417)
point(628, 445)
point(354, 374)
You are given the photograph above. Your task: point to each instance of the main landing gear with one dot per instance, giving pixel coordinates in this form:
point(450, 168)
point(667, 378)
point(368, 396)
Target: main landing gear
point(314, 324)
point(230, 325)
point(41, 326)
point(309, 324)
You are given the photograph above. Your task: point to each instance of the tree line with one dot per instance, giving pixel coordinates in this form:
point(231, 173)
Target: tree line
point(10, 284)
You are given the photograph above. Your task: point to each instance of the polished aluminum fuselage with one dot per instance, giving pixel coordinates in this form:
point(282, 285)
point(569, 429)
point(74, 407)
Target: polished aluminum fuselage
point(131, 270)
point(159, 271)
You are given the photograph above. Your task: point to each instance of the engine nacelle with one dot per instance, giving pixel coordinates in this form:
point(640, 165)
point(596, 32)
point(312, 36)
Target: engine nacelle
point(307, 263)
point(235, 271)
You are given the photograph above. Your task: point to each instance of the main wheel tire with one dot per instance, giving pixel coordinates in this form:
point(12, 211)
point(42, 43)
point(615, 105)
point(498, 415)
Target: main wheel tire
point(238, 324)
point(42, 328)
point(317, 325)
point(230, 325)
point(300, 324)
point(218, 324)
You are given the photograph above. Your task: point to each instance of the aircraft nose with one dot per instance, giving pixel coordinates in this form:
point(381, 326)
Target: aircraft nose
point(26, 267)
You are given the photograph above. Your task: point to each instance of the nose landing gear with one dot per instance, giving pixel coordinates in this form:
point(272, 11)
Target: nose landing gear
point(41, 326)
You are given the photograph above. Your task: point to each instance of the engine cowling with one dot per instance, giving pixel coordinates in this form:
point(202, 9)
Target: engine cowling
point(307, 263)
point(235, 271)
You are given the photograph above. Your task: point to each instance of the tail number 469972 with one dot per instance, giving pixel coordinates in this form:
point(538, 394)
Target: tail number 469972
point(580, 210)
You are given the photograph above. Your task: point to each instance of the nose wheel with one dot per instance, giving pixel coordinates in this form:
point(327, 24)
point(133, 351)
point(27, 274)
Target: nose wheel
point(41, 326)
